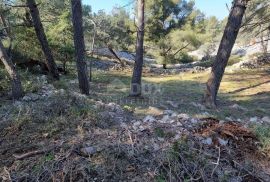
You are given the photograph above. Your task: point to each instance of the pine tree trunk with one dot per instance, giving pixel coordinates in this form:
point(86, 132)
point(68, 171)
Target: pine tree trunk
point(52, 67)
point(224, 51)
point(136, 88)
point(80, 46)
point(17, 91)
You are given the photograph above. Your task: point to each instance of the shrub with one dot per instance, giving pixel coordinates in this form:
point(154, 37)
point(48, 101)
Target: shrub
point(185, 58)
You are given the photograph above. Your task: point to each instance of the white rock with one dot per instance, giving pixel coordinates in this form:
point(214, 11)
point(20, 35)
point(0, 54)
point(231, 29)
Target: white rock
point(179, 124)
point(165, 119)
point(253, 119)
point(149, 118)
point(207, 141)
point(221, 122)
point(174, 115)
point(236, 106)
point(141, 128)
point(194, 121)
point(137, 124)
point(222, 142)
point(266, 119)
point(183, 116)
point(229, 118)
point(177, 137)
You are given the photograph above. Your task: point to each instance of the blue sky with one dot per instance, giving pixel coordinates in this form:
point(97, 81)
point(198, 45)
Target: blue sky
point(209, 7)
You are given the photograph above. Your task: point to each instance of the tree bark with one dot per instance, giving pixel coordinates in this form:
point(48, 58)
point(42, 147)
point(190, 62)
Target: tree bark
point(80, 46)
point(136, 88)
point(42, 38)
point(224, 51)
point(17, 91)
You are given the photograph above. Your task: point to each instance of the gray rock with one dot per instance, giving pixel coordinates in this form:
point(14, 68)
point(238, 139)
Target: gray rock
point(183, 116)
point(173, 104)
point(266, 119)
point(236, 106)
point(198, 105)
point(87, 151)
point(26, 99)
point(194, 121)
point(207, 141)
point(165, 119)
point(254, 119)
point(114, 108)
point(222, 142)
point(137, 124)
point(149, 118)
point(168, 112)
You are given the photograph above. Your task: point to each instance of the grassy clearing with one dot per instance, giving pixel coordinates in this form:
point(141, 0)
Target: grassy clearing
point(250, 90)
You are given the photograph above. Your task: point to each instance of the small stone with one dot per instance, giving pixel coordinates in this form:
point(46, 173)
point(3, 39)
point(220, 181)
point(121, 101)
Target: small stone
point(149, 119)
point(266, 119)
point(183, 116)
point(141, 128)
point(123, 125)
point(173, 104)
point(174, 115)
point(229, 118)
point(168, 112)
point(179, 124)
point(26, 99)
point(18, 104)
point(222, 142)
point(198, 105)
point(89, 151)
point(253, 119)
point(236, 106)
point(160, 139)
point(165, 119)
point(138, 123)
point(205, 114)
point(194, 121)
point(207, 141)
point(177, 137)
point(156, 147)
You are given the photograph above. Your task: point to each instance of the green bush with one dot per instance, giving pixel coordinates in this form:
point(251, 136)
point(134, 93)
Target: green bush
point(185, 58)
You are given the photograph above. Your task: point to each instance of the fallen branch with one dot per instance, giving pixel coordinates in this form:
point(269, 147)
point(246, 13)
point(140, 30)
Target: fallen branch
point(217, 163)
point(115, 55)
point(34, 153)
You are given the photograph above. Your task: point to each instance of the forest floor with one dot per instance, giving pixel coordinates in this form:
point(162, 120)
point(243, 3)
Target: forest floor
point(55, 133)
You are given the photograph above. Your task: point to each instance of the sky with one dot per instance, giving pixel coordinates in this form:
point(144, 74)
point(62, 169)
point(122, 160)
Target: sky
point(209, 7)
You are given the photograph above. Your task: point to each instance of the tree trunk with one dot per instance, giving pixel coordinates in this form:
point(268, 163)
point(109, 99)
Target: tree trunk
point(17, 90)
point(7, 30)
point(80, 46)
point(224, 51)
point(136, 88)
point(42, 38)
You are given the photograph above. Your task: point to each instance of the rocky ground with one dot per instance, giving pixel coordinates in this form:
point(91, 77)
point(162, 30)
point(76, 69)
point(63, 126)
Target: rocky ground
point(56, 134)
